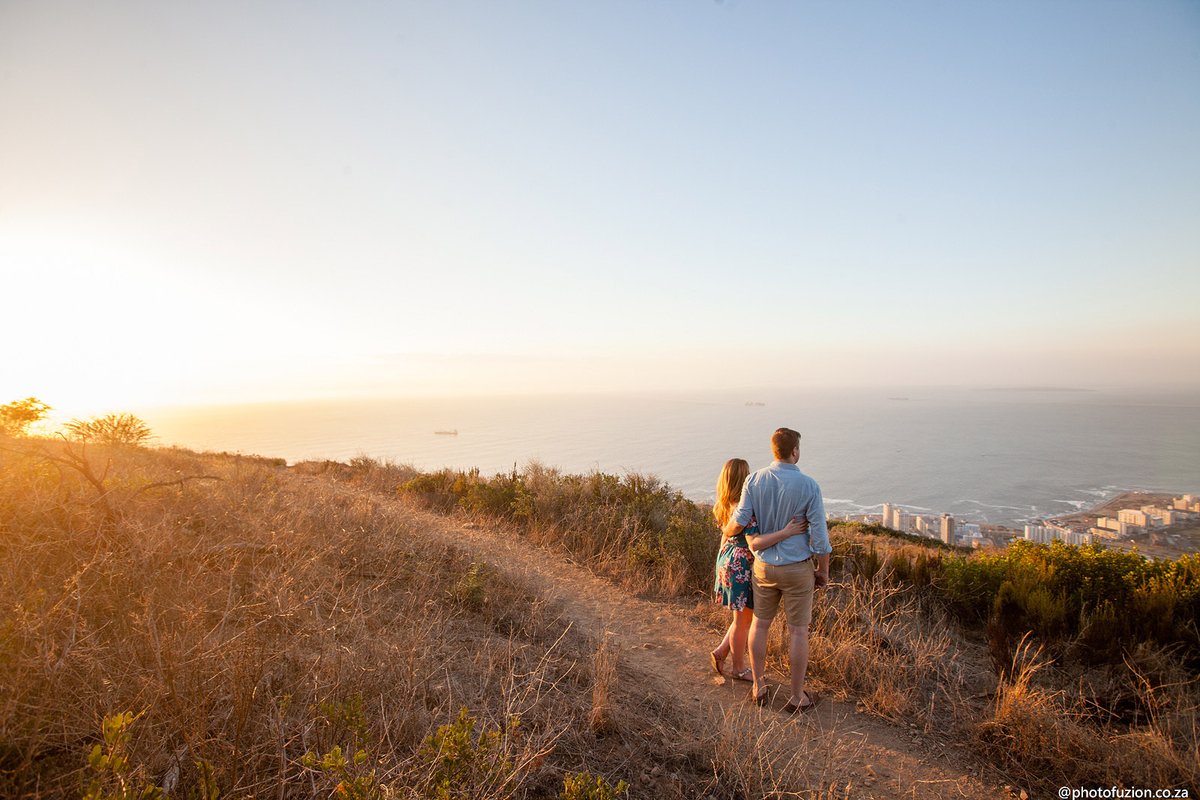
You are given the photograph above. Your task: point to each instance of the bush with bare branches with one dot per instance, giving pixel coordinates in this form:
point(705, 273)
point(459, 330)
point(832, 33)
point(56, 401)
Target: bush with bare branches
point(111, 429)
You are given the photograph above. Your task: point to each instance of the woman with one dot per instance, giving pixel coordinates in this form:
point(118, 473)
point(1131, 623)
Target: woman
point(732, 586)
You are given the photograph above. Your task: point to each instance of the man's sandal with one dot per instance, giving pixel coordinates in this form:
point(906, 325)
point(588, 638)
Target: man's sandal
point(799, 708)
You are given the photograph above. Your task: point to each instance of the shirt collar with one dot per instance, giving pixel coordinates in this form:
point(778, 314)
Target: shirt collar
point(785, 465)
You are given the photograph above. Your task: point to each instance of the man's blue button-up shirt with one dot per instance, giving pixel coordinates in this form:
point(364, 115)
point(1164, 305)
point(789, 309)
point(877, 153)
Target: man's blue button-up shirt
point(775, 494)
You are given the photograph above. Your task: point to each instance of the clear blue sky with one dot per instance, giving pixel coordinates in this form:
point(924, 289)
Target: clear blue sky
point(277, 200)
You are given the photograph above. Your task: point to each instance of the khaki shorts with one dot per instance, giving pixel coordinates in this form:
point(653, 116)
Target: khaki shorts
point(790, 583)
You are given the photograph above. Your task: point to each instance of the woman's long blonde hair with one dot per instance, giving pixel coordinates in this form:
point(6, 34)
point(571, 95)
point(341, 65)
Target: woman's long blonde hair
point(729, 488)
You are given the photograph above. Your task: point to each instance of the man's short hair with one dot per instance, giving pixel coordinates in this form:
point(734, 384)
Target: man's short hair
point(783, 442)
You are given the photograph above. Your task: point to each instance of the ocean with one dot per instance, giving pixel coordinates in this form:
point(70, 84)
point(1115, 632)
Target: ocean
point(996, 456)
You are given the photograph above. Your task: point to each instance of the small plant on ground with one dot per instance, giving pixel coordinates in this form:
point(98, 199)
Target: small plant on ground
point(585, 786)
point(352, 779)
point(112, 777)
point(346, 770)
point(466, 764)
point(470, 590)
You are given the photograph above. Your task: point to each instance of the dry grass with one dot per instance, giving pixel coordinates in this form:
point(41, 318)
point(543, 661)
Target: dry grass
point(604, 675)
point(895, 653)
point(1055, 737)
point(872, 641)
point(633, 528)
point(759, 759)
point(250, 615)
point(262, 616)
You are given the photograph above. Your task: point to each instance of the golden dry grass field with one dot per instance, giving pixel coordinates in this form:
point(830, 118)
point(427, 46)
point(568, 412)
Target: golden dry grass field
point(202, 625)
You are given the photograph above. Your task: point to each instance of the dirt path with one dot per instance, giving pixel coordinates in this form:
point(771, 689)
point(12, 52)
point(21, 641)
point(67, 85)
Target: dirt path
point(664, 652)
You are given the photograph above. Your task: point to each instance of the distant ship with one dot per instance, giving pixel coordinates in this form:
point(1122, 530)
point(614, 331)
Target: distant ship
point(446, 433)
point(754, 403)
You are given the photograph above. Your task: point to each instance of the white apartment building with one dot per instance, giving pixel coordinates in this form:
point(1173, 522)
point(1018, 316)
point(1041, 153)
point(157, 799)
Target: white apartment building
point(1038, 533)
point(947, 529)
point(1113, 524)
point(1133, 516)
point(1155, 515)
point(1104, 533)
point(1072, 537)
point(1187, 502)
point(1045, 534)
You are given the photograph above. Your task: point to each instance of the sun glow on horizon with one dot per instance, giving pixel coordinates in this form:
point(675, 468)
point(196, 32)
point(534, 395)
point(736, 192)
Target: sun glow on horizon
point(672, 198)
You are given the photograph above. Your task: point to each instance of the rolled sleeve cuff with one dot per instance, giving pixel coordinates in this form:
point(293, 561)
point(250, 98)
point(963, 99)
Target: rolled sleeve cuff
point(818, 541)
point(742, 516)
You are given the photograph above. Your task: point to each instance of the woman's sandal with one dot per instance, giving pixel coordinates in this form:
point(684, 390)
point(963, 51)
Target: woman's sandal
point(746, 675)
point(716, 665)
point(761, 698)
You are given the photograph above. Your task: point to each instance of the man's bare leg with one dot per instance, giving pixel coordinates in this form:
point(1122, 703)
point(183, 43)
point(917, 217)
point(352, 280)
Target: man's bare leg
point(798, 655)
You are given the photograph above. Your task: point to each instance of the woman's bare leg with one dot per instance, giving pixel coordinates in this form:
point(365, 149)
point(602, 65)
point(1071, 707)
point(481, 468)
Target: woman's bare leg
point(737, 636)
point(725, 647)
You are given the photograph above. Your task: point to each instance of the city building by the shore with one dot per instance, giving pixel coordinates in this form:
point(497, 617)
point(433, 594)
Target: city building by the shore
point(944, 528)
point(1187, 502)
point(947, 529)
point(1052, 531)
point(1159, 527)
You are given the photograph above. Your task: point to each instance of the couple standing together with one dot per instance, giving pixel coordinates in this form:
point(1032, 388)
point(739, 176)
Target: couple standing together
point(757, 572)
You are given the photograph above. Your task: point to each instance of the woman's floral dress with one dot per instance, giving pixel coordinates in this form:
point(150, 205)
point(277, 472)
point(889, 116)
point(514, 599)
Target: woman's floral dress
point(734, 561)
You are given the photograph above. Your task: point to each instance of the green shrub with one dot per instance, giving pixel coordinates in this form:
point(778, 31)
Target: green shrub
point(585, 786)
point(470, 590)
point(112, 777)
point(1100, 634)
point(971, 584)
point(435, 488)
point(464, 763)
point(634, 523)
point(497, 498)
point(349, 777)
point(1108, 600)
point(346, 771)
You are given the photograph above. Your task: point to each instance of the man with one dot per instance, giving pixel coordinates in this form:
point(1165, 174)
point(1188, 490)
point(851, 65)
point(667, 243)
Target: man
point(789, 564)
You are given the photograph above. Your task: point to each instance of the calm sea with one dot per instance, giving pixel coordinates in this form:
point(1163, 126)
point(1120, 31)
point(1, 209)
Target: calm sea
point(1003, 456)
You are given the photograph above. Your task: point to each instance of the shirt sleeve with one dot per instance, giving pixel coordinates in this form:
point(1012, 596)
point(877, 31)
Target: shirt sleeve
point(745, 507)
point(818, 529)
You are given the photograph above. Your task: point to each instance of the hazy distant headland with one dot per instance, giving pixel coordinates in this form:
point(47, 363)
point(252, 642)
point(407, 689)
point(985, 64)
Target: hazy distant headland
point(1036, 389)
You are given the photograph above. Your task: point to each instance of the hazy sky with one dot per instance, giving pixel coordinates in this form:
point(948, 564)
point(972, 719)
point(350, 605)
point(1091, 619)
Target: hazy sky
point(229, 201)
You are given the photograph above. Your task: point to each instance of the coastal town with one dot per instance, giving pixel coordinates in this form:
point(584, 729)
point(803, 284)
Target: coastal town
point(1153, 524)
